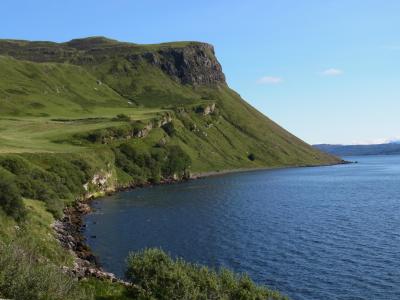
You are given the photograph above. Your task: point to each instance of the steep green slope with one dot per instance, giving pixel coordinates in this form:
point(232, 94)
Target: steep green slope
point(90, 116)
point(37, 90)
point(98, 77)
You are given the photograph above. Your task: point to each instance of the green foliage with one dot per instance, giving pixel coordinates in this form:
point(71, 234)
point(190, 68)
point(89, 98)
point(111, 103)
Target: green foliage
point(155, 275)
point(25, 275)
point(122, 117)
point(169, 128)
point(251, 157)
point(106, 290)
point(151, 164)
point(177, 162)
point(67, 113)
point(50, 178)
point(10, 197)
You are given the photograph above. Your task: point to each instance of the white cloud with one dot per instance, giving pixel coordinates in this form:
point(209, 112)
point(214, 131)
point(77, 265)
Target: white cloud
point(332, 72)
point(270, 80)
point(377, 141)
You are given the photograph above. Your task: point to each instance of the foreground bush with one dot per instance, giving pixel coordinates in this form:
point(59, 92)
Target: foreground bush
point(52, 179)
point(157, 276)
point(23, 275)
point(10, 197)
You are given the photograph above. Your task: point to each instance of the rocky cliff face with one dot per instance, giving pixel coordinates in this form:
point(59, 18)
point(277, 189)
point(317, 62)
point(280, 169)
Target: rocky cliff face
point(192, 63)
point(195, 64)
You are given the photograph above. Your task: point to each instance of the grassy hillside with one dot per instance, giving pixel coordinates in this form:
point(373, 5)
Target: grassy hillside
point(89, 116)
point(50, 90)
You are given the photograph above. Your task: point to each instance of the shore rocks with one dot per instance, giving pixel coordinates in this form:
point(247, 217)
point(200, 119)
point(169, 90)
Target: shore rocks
point(68, 231)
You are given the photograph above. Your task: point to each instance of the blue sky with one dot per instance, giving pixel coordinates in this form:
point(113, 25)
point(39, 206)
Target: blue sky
point(328, 71)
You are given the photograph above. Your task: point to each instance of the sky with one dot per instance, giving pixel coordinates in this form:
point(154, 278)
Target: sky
point(327, 71)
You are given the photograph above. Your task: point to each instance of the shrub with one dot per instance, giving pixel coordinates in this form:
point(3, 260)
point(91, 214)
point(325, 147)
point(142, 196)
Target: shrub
point(97, 136)
point(251, 157)
point(25, 276)
point(127, 164)
point(15, 165)
point(122, 117)
point(177, 161)
point(10, 197)
point(50, 178)
point(155, 275)
point(169, 128)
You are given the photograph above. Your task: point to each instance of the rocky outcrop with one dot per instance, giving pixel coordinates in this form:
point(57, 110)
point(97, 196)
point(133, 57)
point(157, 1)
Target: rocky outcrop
point(205, 109)
point(101, 183)
point(144, 131)
point(68, 232)
point(195, 64)
point(192, 63)
point(209, 109)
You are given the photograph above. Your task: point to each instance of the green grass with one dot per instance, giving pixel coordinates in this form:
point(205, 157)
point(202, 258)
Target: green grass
point(38, 134)
point(58, 129)
point(75, 84)
point(35, 232)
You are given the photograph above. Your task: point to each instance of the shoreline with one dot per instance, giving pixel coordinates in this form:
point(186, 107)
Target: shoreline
point(69, 233)
point(201, 175)
point(69, 230)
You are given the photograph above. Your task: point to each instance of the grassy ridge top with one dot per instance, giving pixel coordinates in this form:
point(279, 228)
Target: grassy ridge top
point(98, 78)
point(85, 117)
point(52, 51)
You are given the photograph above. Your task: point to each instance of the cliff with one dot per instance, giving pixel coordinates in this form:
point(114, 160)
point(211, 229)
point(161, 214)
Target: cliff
point(91, 116)
point(78, 87)
point(190, 63)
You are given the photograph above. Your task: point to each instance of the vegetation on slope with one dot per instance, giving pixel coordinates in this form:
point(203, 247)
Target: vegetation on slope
point(31, 260)
point(81, 118)
point(182, 280)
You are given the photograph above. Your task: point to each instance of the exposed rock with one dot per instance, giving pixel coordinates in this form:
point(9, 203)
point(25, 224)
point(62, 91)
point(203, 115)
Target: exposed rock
point(100, 179)
point(145, 131)
point(205, 109)
point(209, 109)
point(164, 120)
point(194, 64)
point(68, 231)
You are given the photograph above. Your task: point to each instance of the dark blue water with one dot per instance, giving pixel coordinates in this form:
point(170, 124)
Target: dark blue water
point(312, 233)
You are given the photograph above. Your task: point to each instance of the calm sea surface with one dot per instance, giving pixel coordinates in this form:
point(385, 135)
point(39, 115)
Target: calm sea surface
point(312, 233)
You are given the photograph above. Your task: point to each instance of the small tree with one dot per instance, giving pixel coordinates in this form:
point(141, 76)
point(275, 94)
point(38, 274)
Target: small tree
point(169, 128)
point(251, 157)
point(10, 197)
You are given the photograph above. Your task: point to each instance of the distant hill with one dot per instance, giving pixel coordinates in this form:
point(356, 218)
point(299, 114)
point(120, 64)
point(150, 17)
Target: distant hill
point(53, 91)
point(354, 150)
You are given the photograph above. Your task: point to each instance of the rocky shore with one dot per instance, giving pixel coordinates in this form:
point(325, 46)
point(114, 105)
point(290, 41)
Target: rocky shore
point(69, 232)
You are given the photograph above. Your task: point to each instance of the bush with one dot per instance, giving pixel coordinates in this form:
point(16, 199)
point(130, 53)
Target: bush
point(155, 275)
point(122, 117)
point(25, 276)
point(10, 197)
point(251, 157)
point(49, 178)
point(169, 128)
point(97, 136)
point(177, 162)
